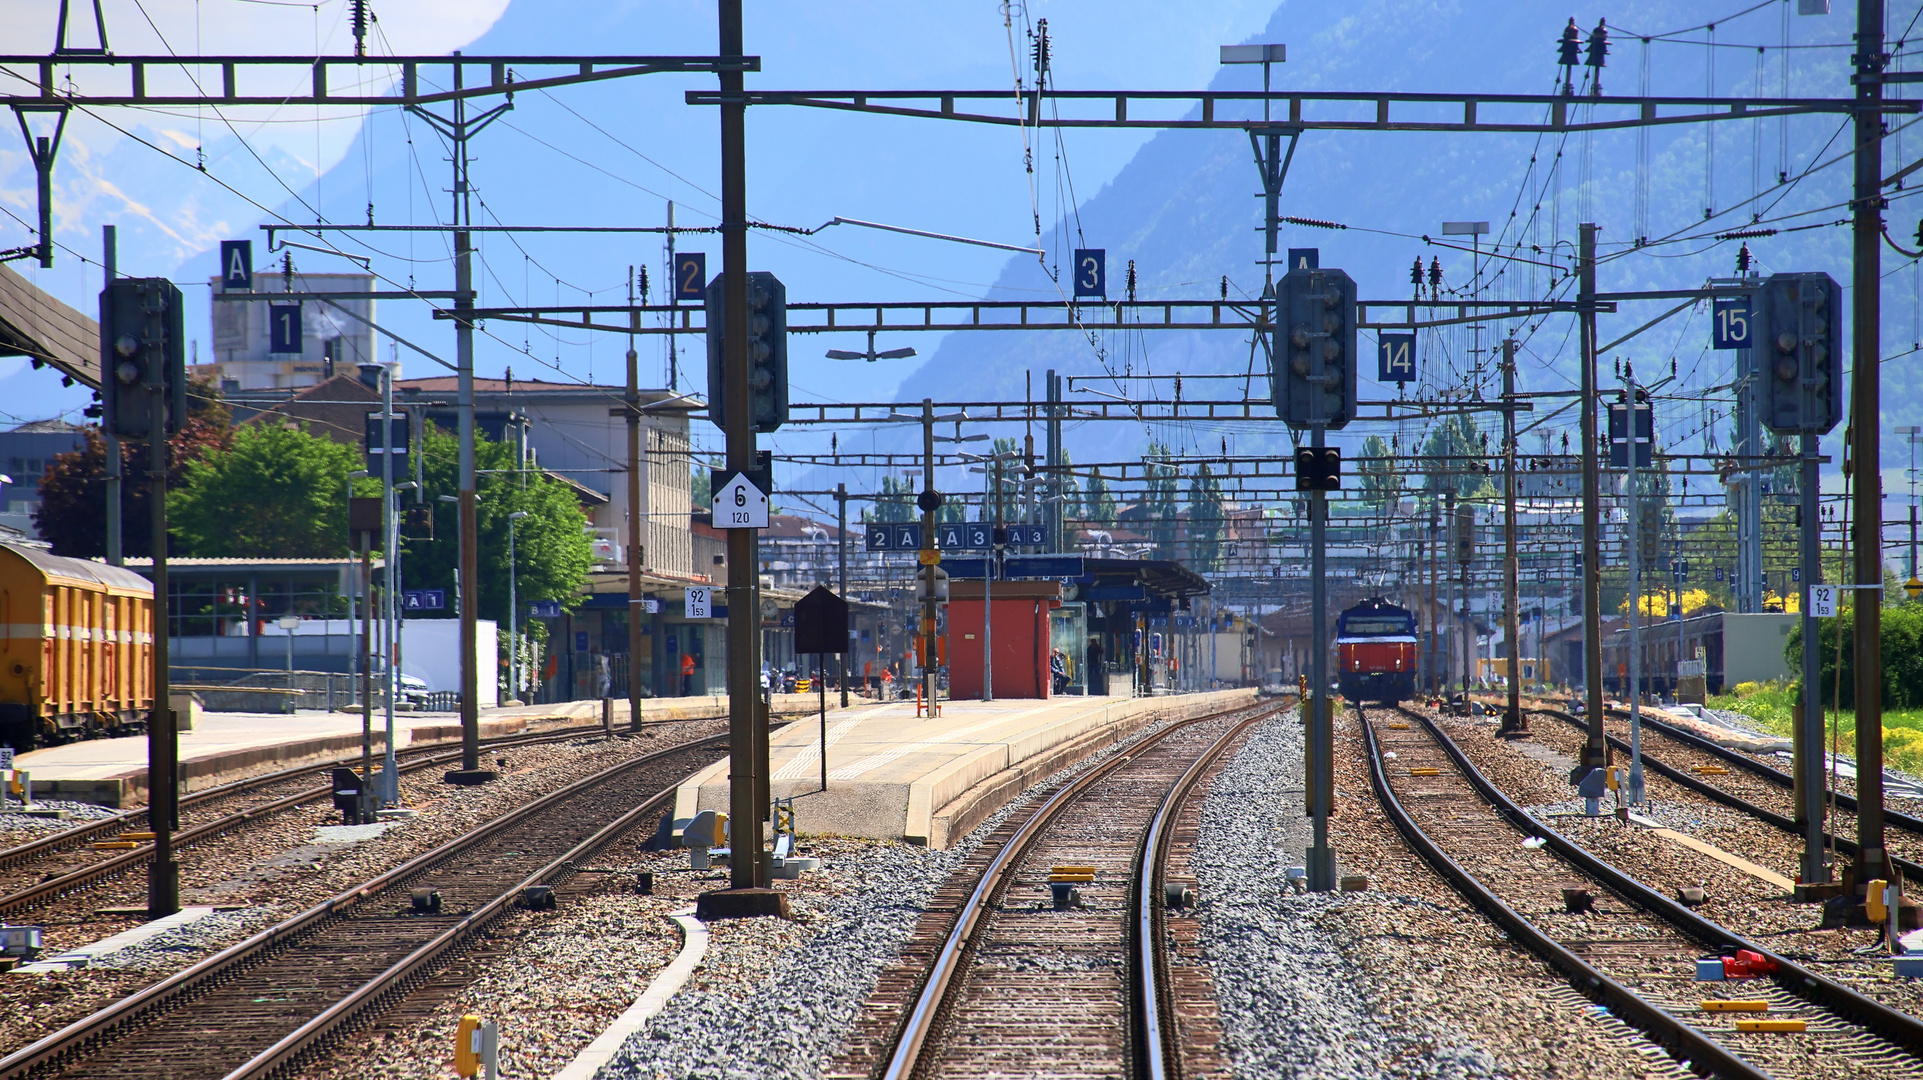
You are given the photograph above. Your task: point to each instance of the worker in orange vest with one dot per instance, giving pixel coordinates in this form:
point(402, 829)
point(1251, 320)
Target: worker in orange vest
point(687, 675)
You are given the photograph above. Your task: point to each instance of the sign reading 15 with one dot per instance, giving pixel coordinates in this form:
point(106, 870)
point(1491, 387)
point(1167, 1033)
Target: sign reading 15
point(1729, 326)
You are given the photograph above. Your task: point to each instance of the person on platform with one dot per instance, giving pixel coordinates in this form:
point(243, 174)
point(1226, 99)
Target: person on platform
point(687, 675)
point(1058, 667)
point(603, 675)
point(1097, 668)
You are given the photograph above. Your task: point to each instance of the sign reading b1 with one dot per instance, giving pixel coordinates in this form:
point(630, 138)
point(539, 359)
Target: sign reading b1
point(740, 505)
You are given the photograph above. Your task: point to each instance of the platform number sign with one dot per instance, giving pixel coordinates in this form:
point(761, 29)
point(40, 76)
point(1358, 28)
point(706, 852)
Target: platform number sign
point(1091, 272)
point(1395, 356)
point(237, 265)
point(283, 328)
point(1304, 259)
point(1729, 324)
point(691, 276)
point(1822, 601)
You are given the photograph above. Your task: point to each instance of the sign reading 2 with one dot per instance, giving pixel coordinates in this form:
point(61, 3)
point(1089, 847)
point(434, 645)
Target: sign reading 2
point(1091, 272)
point(691, 275)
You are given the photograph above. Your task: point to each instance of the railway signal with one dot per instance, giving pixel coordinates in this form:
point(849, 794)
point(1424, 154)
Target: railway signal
point(1798, 320)
point(142, 353)
point(1313, 380)
point(1318, 468)
point(767, 351)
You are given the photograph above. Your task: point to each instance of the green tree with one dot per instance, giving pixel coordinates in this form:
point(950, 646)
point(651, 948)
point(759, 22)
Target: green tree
point(1381, 480)
point(1902, 655)
point(1207, 522)
point(1159, 499)
point(552, 548)
point(1098, 502)
point(275, 492)
point(72, 516)
point(1458, 439)
point(1070, 490)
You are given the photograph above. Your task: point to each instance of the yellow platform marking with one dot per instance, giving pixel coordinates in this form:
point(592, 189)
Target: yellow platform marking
point(1736, 1005)
point(1761, 873)
point(1772, 1025)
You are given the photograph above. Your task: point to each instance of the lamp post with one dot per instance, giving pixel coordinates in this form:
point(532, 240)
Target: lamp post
point(289, 623)
point(353, 628)
point(1913, 586)
point(458, 554)
point(514, 619)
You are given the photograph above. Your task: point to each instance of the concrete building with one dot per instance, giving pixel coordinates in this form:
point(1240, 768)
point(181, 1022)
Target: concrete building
point(335, 335)
point(25, 453)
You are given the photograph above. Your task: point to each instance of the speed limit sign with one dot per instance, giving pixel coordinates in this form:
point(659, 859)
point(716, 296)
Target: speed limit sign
point(740, 505)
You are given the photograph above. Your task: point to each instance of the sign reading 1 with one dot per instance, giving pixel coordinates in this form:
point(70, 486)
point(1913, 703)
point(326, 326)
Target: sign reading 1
point(283, 328)
point(1729, 326)
point(1091, 272)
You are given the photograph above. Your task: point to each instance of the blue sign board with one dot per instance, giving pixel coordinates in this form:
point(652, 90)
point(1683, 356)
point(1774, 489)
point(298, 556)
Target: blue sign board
point(545, 609)
point(425, 599)
point(1719, 573)
point(580, 641)
point(1027, 535)
point(691, 276)
point(1304, 259)
point(1395, 358)
point(1091, 272)
point(237, 265)
point(894, 536)
point(283, 328)
point(1043, 566)
point(1730, 324)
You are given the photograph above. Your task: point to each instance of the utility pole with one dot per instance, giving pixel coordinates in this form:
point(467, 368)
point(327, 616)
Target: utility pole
point(1595, 751)
point(1321, 763)
point(110, 264)
point(1435, 625)
point(1635, 795)
point(1512, 721)
point(1809, 726)
point(841, 581)
point(1052, 435)
point(994, 474)
point(637, 516)
point(459, 130)
point(1748, 586)
point(1866, 410)
point(929, 503)
point(746, 724)
point(163, 741)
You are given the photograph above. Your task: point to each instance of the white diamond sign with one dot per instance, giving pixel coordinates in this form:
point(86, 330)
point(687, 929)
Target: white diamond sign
point(740, 505)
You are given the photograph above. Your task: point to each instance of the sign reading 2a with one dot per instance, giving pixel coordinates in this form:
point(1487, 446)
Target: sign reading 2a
point(1395, 356)
point(691, 276)
point(1091, 272)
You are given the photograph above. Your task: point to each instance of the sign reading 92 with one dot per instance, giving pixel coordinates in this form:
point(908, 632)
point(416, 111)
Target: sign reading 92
point(1395, 356)
point(1729, 324)
point(1091, 272)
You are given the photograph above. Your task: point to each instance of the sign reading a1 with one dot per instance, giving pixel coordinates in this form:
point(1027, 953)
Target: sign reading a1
point(283, 328)
point(1822, 601)
point(740, 505)
point(691, 276)
point(237, 265)
point(1395, 358)
point(700, 602)
point(1729, 324)
point(1091, 272)
point(424, 599)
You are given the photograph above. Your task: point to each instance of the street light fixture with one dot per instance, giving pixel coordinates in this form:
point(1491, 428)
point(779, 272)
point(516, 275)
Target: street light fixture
point(514, 617)
point(871, 355)
point(289, 623)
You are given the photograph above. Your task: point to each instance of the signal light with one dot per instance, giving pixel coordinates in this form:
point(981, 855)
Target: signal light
point(1797, 319)
point(142, 352)
point(767, 351)
point(1313, 382)
point(1318, 468)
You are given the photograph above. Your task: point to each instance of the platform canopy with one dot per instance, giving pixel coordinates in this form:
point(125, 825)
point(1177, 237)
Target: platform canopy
point(35, 325)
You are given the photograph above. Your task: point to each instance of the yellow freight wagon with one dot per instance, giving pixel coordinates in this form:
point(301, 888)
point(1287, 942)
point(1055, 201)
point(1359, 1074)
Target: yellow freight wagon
point(76, 649)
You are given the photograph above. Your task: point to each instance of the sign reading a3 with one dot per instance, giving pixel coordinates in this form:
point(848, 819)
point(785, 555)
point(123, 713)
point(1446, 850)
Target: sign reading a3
point(1091, 272)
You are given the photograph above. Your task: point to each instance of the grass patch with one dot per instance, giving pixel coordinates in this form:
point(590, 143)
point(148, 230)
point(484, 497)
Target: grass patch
point(1773, 707)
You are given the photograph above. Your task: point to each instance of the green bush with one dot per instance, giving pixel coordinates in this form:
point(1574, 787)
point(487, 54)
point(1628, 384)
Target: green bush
point(1902, 656)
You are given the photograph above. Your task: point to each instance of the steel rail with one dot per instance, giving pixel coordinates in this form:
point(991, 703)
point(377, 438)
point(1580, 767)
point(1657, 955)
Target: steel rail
point(1899, 1028)
point(396, 982)
point(183, 986)
point(1912, 871)
point(1154, 1012)
point(1906, 822)
point(1675, 1036)
point(905, 1061)
point(46, 892)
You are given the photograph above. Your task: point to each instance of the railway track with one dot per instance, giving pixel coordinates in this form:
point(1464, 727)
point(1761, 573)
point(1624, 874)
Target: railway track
point(268, 1004)
point(33, 884)
point(1755, 785)
point(1633, 949)
point(1016, 986)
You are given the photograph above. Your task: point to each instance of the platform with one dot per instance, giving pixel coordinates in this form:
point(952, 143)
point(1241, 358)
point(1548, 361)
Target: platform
point(895, 776)
point(224, 747)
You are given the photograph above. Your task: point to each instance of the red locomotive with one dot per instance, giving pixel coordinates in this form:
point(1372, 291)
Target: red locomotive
point(1375, 652)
